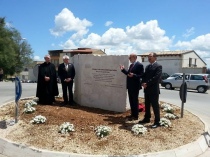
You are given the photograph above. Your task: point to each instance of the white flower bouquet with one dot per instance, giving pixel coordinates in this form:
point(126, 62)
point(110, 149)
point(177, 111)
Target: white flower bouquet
point(30, 103)
point(165, 122)
point(168, 109)
point(29, 109)
point(164, 105)
point(102, 131)
point(138, 129)
point(170, 116)
point(66, 127)
point(38, 119)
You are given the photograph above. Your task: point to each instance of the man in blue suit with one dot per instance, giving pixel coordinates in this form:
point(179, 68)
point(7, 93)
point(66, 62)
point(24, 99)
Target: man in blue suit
point(134, 74)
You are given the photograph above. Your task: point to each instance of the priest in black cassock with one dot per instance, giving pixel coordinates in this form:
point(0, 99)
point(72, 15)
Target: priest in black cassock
point(47, 87)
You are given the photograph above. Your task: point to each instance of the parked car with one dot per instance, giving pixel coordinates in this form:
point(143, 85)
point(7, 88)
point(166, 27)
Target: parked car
point(199, 82)
point(175, 75)
point(164, 76)
point(30, 81)
point(24, 81)
point(11, 79)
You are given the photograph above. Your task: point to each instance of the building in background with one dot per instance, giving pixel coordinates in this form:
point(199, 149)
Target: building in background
point(29, 74)
point(185, 61)
point(57, 55)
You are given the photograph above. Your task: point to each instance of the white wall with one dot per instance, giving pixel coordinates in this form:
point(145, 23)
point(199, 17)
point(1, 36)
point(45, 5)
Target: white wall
point(24, 75)
point(31, 75)
point(192, 55)
point(193, 70)
point(170, 64)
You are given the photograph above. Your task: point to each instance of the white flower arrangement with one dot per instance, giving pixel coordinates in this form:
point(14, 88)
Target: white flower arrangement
point(38, 119)
point(165, 122)
point(66, 127)
point(168, 109)
point(138, 129)
point(102, 131)
point(164, 105)
point(30, 103)
point(29, 109)
point(170, 116)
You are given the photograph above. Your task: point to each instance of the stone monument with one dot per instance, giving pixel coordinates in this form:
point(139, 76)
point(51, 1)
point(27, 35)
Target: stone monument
point(99, 82)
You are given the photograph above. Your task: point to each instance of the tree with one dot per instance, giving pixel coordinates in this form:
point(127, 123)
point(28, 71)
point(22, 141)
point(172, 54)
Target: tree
point(7, 51)
point(15, 53)
point(23, 51)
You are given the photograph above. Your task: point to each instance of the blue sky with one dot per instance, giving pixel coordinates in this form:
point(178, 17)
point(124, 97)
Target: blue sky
point(118, 26)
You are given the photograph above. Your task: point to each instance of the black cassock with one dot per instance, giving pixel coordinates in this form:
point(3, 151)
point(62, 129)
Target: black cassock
point(47, 90)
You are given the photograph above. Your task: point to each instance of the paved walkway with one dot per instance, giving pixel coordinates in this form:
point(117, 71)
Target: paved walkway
point(206, 153)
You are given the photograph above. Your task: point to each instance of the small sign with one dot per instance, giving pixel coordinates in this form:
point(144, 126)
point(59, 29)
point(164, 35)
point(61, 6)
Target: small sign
point(18, 89)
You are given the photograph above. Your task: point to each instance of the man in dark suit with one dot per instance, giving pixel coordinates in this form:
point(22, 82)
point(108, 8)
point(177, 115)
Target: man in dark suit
point(66, 72)
point(150, 82)
point(134, 74)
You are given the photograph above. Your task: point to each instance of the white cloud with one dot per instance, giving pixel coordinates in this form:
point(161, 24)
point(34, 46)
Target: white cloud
point(148, 31)
point(36, 58)
point(93, 40)
point(78, 35)
point(113, 36)
point(69, 44)
point(139, 38)
point(108, 23)
point(201, 43)
point(65, 21)
point(189, 32)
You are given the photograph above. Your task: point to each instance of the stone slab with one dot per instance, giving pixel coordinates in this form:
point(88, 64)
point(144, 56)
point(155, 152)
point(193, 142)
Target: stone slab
point(99, 82)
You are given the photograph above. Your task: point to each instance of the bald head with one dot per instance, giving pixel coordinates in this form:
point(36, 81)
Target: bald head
point(132, 57)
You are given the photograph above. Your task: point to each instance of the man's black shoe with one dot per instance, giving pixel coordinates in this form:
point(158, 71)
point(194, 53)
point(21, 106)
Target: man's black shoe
point(72, 104)
point(130, 118)
point(144, 121)
point(155, 126)
point(63, 104)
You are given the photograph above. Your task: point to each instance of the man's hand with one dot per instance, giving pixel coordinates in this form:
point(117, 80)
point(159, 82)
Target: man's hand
point(130, 75)
point(67, 79)
point(47, 78)
point(122, 67)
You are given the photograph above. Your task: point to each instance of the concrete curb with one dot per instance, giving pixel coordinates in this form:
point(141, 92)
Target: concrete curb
point(193, 149)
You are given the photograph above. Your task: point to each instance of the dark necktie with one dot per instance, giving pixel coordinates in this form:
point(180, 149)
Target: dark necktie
point(131, 66)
